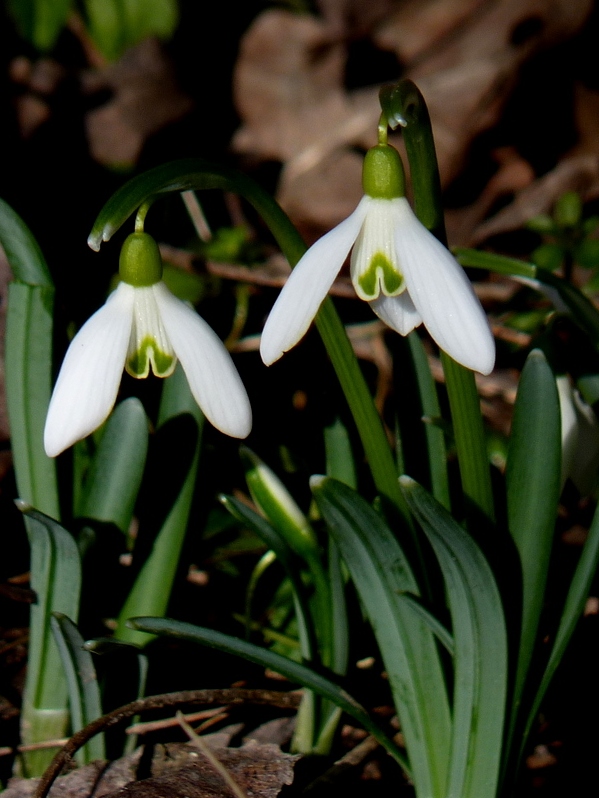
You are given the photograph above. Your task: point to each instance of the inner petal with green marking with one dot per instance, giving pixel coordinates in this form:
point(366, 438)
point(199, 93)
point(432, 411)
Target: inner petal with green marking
point(149, 346)
point(374, 265)
point(147, 355)
point(380, 276)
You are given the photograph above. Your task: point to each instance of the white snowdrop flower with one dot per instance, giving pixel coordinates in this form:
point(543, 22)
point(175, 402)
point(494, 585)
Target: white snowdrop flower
point(406, 275)
point(142, 327)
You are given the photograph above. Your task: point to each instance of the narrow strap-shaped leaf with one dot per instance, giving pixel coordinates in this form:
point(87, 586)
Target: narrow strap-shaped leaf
point(152, 588)
point(84, 693)
point(340, 465)
point(339, 456)
point(480, 658)
point(441, 632)
point(380, 572)
point(28, 361)
point(404, 104)
point(578, 592)
point(28, 387)
point(23, 253)
point(280, 508)
point(269, 659)
point(584, 313)
point(117, 467)
point(470, 439)
point(533, 477)
point(275, 541)
point(56, 580)
point(435, 436)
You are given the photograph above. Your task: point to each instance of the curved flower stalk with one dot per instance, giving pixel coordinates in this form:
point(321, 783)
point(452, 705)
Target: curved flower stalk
point(406, 275)
point(142, 328)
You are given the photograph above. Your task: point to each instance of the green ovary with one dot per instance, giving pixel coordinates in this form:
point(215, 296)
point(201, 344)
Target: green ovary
point(148, 356)
point(381, 276)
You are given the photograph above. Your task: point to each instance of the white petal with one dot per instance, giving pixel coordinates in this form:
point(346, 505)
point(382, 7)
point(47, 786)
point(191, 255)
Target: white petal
point(89, 378)
point(398, 312)
point(443, 295)
point(213, 379)
point(308, 285)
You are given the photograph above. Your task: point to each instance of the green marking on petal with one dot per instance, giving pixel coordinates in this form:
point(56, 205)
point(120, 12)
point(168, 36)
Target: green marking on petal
point(148, 356)
point(380, 275)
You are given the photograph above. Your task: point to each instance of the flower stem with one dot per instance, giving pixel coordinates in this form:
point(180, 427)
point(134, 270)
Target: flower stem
point(404, 105)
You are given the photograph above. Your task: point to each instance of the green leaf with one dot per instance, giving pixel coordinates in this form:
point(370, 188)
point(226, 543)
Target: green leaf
point(481, 656)
point(568, 209)
point(533, 479)
point(56, 580)
point(586, 254)
point(279, 545)
point(117, 467)
point(28, 361)
point(152, 588)
point(442, 634)
point(115, 25)
point(435, 436)
point(470, 440)
point(151, 18)
point(495, 263)
point(584, 313)
point(277, 504)
point(28, 388)
point(543, 223)
point(23, 253)
point(339, 456)
point(380, 572)
point(578, 592)
point(548, 256)
point(268, 659)
point(188, 286)
point(40, 21)
point(279, 507)
point(84, 693)
point(106, 24)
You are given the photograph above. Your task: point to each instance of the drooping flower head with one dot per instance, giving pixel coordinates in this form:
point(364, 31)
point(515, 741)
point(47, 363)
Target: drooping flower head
point(142, 327)
point(406, 275)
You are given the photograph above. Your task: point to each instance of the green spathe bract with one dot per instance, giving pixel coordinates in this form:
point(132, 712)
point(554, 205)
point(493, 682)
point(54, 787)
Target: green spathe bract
point(140, 263)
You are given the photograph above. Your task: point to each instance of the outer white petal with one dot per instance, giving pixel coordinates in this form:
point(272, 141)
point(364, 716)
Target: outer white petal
point(89, 378)
point(213, 379)
point(308, 285)
point(443, 295)
point(398, 312)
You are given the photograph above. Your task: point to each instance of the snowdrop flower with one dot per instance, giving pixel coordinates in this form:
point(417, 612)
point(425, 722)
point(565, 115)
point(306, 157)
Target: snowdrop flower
point(142, 327)
point(406, 275)
point(580, 438)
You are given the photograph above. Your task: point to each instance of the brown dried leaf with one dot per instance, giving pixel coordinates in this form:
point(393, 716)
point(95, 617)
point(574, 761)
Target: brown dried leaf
point(178, 769)
point(260, 770)
point(290, 94)
point(146, 99)
point(575, 173)
point(467, 81)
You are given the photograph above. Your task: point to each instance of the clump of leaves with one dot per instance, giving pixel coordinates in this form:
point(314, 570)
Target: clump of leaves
point(568, 239)
point(113, 25)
